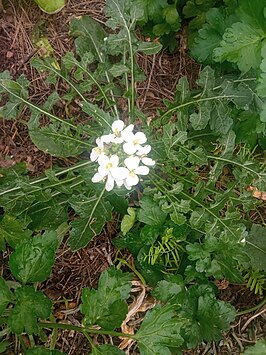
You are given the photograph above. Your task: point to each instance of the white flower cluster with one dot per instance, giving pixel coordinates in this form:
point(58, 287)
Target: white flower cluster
point(123, 147)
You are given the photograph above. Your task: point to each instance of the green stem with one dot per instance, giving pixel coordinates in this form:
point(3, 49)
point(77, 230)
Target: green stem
point(124, 262)
point(246, 311)
point(82, 329)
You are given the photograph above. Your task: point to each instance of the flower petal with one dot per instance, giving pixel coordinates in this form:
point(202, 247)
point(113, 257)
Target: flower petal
point(103, 171)
point(132, 162)
point(144, 150)
point(142, 170)
point(97, 177)
point(140, 137)
point(132, 180)
point(117, 126)
point(109, 183)
point(127, 134)
point(103, 160)
point(114, 160)
point(107, 138)
point(129, 148)
point(148, 161)
point(120, 173)
point(94, 154)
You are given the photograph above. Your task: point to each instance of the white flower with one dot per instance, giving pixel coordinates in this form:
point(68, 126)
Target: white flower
point(97, 151)
point(132, 164)
point(110, 171)
point(133, 142)
point(142, 153)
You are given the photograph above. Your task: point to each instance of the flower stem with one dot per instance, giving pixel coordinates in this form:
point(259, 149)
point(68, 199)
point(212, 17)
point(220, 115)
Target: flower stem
point(124, 262)
point(83, 330)
point(245, 311)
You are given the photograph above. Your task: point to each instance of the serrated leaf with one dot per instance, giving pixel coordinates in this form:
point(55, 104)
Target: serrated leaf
point(13, 231)
point(256, 247)
point(149, 48)
point(128, 221)
point(6, 295)
point(43, 351)
point(159, 332)
point(30, 306)
point(200, 119)
point(33, 259)
point(94, 211)
point(106, 306)
point(170, 290)
point(150, 212)
point(106, 349)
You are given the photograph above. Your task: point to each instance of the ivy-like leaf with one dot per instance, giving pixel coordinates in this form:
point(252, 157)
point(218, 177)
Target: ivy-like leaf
point(94, 211)
point(256, 247)
point(106, 306)
point(242, 41)
point(150, 212)
point(159, 332)
point(206, 316)
point(13, 231)
point(149, 48)
point(6, 295)
point(106, 349)
point(30, 306)
point(33, 259)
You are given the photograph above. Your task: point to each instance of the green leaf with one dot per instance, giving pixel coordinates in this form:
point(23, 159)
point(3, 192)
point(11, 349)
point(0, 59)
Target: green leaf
point(89, 36)
point(242, 41)
point(30, 306)
point(13, 231)
point(150, 213)
point(206, 317)
point(149, 48)
point(128, 221)
point(258, 349)
point(106, 349)
point(171, 290)
point(43, 351)
point(159, 332)
point(4, 344)
point(94, 211)
point(6, 295)
point(106, 306)
point(256, 247)
point(51, 6)
point(33, 259)
point(118, 70)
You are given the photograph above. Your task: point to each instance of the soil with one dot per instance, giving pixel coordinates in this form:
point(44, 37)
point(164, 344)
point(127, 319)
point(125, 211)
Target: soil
point(73, 271)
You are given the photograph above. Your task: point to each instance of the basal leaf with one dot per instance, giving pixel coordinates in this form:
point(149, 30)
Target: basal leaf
point(150, 212)
point(106, 349)
point(30, 306)
point(256, 247)
point(118, 70)
point(4, 344)
point(106, 306)
point(159, 332)
point(6, 295)
point(89, 36)
point(13, 231)
point(94, 211)
point(33, 259)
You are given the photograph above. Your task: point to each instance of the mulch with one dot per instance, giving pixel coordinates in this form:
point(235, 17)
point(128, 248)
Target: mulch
point(73, 271)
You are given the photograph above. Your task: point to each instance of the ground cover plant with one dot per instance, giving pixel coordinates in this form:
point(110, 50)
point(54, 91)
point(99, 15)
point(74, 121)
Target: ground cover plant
point(185, 183)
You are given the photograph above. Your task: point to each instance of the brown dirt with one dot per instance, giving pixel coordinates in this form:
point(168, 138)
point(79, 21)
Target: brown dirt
point(73, 271)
